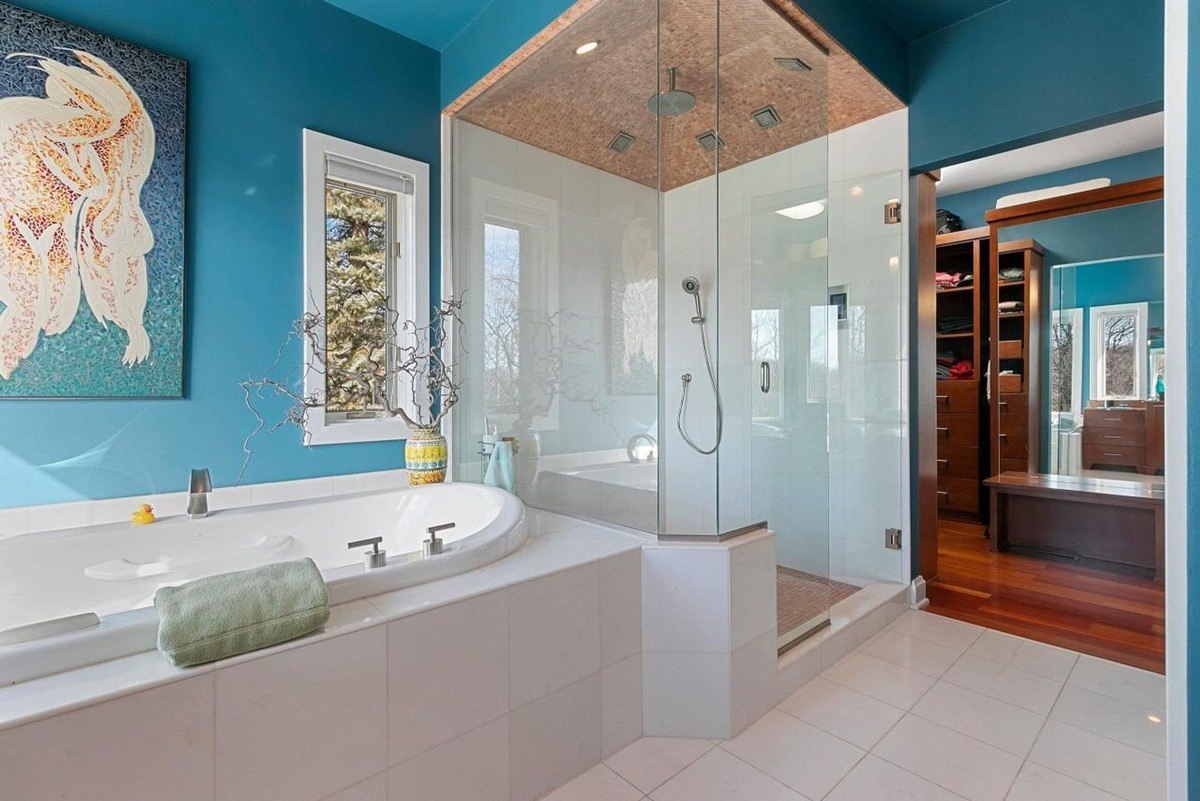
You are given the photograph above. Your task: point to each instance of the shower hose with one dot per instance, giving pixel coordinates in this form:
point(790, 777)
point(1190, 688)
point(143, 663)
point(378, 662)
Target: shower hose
point(712, 380)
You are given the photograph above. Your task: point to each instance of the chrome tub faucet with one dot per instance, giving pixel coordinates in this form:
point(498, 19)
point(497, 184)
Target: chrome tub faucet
point(198, 488)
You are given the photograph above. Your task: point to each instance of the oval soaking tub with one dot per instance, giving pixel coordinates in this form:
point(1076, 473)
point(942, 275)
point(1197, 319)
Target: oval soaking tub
point(52, 581)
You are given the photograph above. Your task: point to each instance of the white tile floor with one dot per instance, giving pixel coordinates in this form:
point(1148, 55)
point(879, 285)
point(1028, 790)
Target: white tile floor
point(930, 709)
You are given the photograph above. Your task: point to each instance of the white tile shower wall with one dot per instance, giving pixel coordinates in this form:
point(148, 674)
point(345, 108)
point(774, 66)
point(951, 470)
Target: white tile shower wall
point(588, 284)
point(842, 479)
point(422, 707)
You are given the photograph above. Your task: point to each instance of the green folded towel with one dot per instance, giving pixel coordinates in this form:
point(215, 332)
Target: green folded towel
point(221, 616)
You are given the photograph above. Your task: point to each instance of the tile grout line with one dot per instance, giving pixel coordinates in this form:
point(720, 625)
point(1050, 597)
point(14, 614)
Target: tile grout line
point(1085, 781)
point(658, 786)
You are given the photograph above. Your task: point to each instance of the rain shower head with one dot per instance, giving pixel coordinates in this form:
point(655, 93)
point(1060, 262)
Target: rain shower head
point(672, 102)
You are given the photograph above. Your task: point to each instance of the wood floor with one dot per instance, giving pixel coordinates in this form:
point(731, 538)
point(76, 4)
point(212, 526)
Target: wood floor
point(1092, 610)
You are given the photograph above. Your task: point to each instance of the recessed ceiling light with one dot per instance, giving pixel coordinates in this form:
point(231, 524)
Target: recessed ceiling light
point(793, 65)
point(586, 48)
point(710, 141)
point(621, 142)
point(766, 117)
point(805, 211)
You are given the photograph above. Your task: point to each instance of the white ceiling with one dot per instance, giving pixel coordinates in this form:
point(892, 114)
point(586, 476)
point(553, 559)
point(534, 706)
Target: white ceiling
point(1076, 150)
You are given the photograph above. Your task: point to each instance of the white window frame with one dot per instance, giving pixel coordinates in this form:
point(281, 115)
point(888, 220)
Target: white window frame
point(1142, 310)
point(496, 204)
point(1075, 318)
point(357, 163)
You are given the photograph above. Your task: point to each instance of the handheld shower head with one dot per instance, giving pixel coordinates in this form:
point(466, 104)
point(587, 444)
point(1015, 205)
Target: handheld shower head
point(691, 285)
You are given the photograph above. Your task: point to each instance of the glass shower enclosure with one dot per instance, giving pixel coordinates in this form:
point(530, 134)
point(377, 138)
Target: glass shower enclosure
point(642, 212)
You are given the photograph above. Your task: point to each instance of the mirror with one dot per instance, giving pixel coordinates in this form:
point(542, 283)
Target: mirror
point(1100, 340)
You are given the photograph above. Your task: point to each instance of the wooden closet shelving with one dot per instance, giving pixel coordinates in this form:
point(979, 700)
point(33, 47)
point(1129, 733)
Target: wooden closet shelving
point(961, 418)
point(1015, 340)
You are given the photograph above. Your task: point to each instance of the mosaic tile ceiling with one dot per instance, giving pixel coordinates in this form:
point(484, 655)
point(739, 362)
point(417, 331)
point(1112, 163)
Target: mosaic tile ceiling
point(573, 105)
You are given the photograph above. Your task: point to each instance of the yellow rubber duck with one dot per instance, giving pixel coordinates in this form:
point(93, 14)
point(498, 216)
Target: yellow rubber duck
point(144, 516)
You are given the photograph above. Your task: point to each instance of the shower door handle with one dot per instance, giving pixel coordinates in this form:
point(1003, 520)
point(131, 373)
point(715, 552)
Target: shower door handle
point(765, 380)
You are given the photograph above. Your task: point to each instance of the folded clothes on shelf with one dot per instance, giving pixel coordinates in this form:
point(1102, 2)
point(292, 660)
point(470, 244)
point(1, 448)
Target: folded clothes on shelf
point(955, 324)
point(1012, 273)
point(1010, 306)
point(952, 280)
point(955, 369)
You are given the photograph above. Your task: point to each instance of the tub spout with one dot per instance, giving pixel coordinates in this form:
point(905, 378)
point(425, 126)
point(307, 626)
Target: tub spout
point(198, 488)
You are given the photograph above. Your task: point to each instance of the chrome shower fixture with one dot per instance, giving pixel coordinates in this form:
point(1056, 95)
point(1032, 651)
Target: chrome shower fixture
point(672, 102)
point(691, 285)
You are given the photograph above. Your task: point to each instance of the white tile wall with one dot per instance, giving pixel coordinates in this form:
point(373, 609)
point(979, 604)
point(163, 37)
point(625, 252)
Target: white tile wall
point(304, 723)
point(554, 739)
point(474, 765)
point(708, 636)
point(620, 704)
point(150, 745)
point(434, 694)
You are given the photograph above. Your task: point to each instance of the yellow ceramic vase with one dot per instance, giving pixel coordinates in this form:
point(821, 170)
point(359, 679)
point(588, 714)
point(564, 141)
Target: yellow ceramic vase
point(425, 457)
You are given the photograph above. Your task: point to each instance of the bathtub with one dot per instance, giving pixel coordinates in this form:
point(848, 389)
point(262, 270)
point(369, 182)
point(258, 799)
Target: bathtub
point(624, 492)
point(114, 570)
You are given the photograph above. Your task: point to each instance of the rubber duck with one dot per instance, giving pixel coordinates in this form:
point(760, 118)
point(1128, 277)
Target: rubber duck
point(144, 516)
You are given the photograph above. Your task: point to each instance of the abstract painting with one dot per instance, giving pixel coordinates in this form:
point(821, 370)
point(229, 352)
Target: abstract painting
point(92, 133)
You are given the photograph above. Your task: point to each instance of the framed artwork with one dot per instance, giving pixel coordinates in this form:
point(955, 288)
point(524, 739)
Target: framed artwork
point(92, 133)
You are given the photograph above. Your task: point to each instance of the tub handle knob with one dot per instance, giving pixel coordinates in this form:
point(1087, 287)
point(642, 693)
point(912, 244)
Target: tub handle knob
point(376, 557)
point(434, 545)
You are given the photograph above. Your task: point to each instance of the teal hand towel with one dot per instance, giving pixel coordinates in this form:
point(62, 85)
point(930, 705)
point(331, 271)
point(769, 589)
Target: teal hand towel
point(221, 616)
point(500, 470)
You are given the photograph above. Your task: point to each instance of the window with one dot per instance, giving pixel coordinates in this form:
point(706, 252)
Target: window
point(366, 253)
point(1066, 365)
point(1118, 351)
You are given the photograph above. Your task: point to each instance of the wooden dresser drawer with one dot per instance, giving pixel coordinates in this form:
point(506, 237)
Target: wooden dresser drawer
point(958, 397)
point(958, 461)
point(959, 494)
point(957, 429)
point(1012, 445)
point(1114, 418)
point(1113, 456)
point(1014, 465)
point(1013, 405)
point(1125, 437)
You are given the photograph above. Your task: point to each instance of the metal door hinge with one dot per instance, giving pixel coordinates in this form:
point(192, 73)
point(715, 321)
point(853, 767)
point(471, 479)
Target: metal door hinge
point(891, 212)
point(892, 538)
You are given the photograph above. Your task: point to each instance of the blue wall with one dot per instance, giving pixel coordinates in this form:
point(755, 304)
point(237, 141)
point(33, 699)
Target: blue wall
point(506, 25)
point(1029, 70)
point(259, 72)
point(972, 205)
